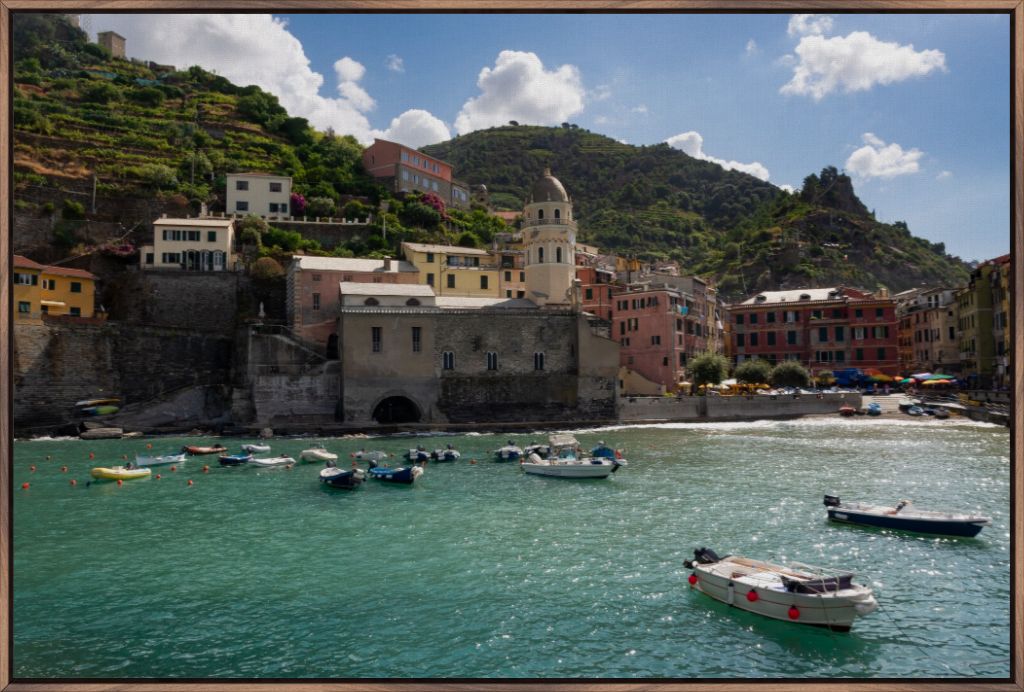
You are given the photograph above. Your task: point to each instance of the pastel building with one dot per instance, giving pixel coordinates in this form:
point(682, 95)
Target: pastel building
point(405, 169)
point(312, 296)
point(41, 290)
point(822, 328)
point(927, 339)
point(261, 194)
point(549, 236)
point(976, 323)
point(191, 245)
point(455, 271)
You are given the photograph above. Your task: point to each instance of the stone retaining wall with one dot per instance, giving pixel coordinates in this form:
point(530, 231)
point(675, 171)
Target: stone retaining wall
point(700, 408)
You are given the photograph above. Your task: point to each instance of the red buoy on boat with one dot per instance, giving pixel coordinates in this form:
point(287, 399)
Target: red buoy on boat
point(692, 579)
point(751, 595)
point(794, 612)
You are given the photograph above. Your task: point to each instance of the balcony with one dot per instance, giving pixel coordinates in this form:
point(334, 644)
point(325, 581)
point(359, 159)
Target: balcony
point(527, 223)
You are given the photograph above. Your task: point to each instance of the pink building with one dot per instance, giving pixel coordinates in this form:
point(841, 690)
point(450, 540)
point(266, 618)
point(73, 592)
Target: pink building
point(405, 169)
point(651, 326)
point(313, 292)
point(597, 290)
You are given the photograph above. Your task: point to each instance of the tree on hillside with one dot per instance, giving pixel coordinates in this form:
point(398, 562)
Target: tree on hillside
point(789, 373)
point(708, 368)
point(753, 371)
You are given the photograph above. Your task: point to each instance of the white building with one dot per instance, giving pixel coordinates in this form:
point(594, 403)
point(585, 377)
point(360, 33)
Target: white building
point(191, 244)
point(258, 193)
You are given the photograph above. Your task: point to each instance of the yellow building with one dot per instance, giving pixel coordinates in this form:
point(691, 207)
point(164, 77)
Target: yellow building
point(455, 271)
point(47, 290)
point(191, 244)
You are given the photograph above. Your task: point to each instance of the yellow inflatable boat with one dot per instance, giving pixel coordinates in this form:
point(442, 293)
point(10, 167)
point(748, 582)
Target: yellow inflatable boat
point(119, 473)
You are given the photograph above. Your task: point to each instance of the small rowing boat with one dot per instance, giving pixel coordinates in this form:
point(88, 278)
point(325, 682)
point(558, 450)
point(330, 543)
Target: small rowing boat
point(119, 473)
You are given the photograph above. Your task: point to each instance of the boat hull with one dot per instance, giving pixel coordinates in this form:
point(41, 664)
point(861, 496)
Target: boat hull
point(837, 615)
point(317, 455)
point(272, 462)
point(946, 527)
point(117, 473)
point(403, 474)
point(235, 460)
point(569, 470)
point(195, 450)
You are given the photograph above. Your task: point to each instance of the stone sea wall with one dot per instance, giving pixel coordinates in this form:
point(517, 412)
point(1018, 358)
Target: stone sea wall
point(701, 408)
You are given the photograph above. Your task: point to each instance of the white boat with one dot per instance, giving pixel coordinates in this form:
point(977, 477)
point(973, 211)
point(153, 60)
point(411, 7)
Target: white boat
point(797, 593)
point(273, 462)
point(161, 460)
point(449, 453)
point(317, 454)
point(567, 460)
point(375, 456)
point(906, 517)
point(510, 452)
point(255, 448)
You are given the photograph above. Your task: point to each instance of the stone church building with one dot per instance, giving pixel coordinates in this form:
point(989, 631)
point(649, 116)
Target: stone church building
point(406, 355)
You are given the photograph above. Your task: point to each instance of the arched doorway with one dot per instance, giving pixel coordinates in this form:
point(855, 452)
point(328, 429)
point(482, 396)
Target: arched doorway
point(396, 409)
point(332, 347)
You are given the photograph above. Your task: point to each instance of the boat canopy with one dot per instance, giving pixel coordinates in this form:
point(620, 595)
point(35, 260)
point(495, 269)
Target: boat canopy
point(563, 440)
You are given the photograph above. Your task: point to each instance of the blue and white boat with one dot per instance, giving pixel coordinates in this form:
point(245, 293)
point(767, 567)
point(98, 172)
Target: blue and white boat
point(449, 453)
point(510, 452)
point(603, 451)
point(874, 409)
point(341, 478)
point(417, 455)
point(905, 518)
point(401, 474)
point(915, 411)
point(235, 459)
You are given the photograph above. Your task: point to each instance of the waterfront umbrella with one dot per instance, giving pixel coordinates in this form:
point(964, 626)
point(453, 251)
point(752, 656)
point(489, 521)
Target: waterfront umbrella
point(942, 377)
point(922, 376)
point(907, 380)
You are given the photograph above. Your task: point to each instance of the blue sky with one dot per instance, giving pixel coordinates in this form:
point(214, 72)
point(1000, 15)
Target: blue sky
point(915, 107)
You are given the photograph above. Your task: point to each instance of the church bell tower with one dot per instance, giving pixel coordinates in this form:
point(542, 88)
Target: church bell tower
point(549, 234)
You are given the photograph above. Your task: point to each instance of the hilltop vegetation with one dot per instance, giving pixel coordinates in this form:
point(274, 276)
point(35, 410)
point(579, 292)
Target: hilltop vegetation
point(658, 203)
point(170, 136)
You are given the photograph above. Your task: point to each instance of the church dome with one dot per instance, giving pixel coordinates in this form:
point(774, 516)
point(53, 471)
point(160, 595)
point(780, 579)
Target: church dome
point(548, 189)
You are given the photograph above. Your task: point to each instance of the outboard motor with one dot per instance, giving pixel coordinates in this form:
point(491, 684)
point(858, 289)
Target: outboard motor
point(831, 500)
point(373, 463)
point(702, 556)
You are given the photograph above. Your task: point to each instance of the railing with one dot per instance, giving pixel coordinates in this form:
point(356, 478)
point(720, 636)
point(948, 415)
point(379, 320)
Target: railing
point(548, 222)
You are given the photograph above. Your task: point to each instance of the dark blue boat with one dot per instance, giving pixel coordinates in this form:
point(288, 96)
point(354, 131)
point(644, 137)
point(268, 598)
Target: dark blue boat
point(903, 518)
point(402, 474)
point(235, 459)
point(340, 478)
point(417, 455)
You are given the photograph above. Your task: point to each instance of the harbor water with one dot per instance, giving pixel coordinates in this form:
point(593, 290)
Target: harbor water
point(480, 571)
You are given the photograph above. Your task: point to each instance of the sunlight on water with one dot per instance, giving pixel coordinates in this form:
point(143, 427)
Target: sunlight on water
point(480, 571)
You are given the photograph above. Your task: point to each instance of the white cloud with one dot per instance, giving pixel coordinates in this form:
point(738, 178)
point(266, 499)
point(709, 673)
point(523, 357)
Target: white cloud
point(250, 49)
point(876, 159)
point(639, 109)
point(804, 24)
point(751, 47)
point(601, 120)
point(944, 175)
point(692, 143)
point(855, 63)
point(519, 88)
point(416, 128)
point(349, 70)
point(788, 188)
point(395, 63)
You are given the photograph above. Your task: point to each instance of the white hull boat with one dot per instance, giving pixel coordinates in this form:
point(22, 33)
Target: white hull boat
point(374, 456)
point(255, 448)
point(163, 460)
point(796, 593)
point(317, 454)
point(273, 462)
point(566, 461)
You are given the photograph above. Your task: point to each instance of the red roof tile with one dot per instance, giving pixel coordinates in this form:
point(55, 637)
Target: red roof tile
point(26, 263)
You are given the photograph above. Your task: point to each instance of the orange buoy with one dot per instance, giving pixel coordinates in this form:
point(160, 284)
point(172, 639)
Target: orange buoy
point(190, 481)
point(63, 469)
point(24, 486)
point(174, 468)
point(472, 461)
point(124, 456)
point(74, 482)
point(32, 468)
point(206, 469)
point(119, 482)
point(149, 445)
point(91, 455)
point(158, 476)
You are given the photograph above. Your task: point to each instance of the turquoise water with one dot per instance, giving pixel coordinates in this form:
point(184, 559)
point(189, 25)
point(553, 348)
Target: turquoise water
point(480, 571)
